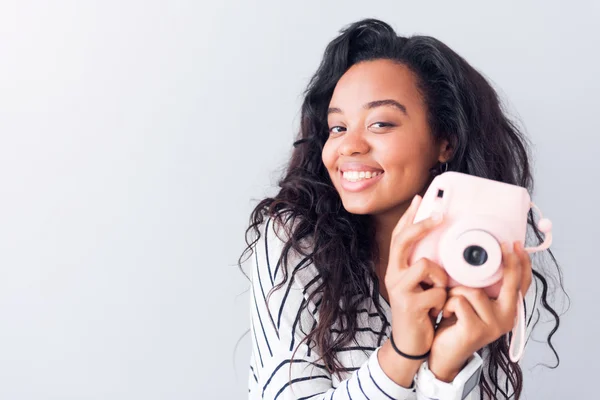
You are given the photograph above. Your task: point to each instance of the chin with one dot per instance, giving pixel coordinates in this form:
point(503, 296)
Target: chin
point(359, 208)
point(374, 209)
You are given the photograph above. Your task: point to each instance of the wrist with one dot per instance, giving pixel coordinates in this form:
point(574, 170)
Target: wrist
point(399, 369)
point(428, 386)
point(445, 373)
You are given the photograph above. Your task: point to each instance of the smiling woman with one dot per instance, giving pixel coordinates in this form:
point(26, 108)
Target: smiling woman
point(382, 116)
point(389, 134)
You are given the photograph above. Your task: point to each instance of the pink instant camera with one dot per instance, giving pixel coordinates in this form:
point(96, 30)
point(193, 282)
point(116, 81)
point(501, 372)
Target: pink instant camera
point(478, 215)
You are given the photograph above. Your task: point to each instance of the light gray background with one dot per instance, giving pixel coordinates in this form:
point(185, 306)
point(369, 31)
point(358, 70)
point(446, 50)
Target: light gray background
point(136, 136)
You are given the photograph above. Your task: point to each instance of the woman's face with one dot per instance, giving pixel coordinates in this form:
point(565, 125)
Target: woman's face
point(379, 149)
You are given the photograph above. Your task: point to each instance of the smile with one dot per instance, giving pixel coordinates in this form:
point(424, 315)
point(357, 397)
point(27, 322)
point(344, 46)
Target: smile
point(356, 181)
point(355, 176)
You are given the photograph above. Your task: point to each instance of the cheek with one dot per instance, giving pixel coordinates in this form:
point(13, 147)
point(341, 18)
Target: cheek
point(401, 155)
point(407, 165)
point(407, 154)
point(328, 155)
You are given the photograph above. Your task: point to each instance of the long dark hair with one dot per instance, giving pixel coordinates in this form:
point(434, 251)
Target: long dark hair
point(463, 108)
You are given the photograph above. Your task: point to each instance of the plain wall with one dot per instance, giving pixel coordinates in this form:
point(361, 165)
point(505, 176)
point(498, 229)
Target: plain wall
point(136, 137)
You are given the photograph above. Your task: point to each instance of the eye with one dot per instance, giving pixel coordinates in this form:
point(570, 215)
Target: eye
point(332, 129)
point(337, 129)
point(383, 124)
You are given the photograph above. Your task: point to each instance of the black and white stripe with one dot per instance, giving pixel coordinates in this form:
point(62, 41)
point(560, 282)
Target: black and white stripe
point(283, 366)
point(276, 335)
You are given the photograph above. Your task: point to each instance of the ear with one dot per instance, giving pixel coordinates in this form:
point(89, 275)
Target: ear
point(445, 151)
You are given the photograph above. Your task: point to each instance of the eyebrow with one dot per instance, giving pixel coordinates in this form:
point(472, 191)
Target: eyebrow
point(374, 104)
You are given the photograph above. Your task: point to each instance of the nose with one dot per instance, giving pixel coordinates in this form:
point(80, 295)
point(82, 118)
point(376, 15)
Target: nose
point(353, 143)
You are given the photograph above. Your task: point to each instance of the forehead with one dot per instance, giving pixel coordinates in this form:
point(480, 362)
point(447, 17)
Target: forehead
point(376, 80)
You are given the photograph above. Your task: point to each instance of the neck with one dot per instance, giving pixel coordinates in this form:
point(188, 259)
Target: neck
point(385, 223)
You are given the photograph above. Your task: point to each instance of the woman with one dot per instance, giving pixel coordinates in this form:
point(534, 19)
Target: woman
point(331, 281)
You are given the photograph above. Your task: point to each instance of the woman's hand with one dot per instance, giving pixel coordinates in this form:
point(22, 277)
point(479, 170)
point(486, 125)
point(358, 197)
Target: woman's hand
point(471, 320)
point(412, 305)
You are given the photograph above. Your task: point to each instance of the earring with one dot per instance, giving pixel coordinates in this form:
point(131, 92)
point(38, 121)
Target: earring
point(439, 169)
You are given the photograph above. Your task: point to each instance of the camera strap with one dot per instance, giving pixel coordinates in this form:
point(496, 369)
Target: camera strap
point(516, 338)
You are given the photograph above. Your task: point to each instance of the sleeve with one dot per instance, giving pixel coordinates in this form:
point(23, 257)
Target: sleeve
point(283, 365)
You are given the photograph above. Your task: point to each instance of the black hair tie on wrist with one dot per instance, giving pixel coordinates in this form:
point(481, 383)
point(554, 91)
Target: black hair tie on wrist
point(407, 355)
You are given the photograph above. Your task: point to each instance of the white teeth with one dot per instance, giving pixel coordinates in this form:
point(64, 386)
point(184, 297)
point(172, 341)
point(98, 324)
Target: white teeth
point(354, 176)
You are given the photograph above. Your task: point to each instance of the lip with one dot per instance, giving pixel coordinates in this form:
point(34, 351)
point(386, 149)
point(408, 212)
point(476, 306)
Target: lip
point(360, 185)
point(356, 166)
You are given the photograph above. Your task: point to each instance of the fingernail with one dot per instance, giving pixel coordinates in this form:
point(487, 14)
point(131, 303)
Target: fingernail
point(436, 217)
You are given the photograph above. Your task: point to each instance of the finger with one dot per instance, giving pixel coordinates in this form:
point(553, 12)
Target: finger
point(432, 300)
point(403, 242)
point(479, 301)
point(511, 282)
point(409, 215)
point(460, 307)
point(425, 271)
point(526, 270)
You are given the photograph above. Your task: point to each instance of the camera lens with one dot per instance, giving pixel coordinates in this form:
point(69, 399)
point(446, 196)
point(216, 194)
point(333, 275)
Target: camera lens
point(475, 255)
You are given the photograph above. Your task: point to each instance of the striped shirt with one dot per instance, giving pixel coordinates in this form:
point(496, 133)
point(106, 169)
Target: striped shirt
point(282, 365)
